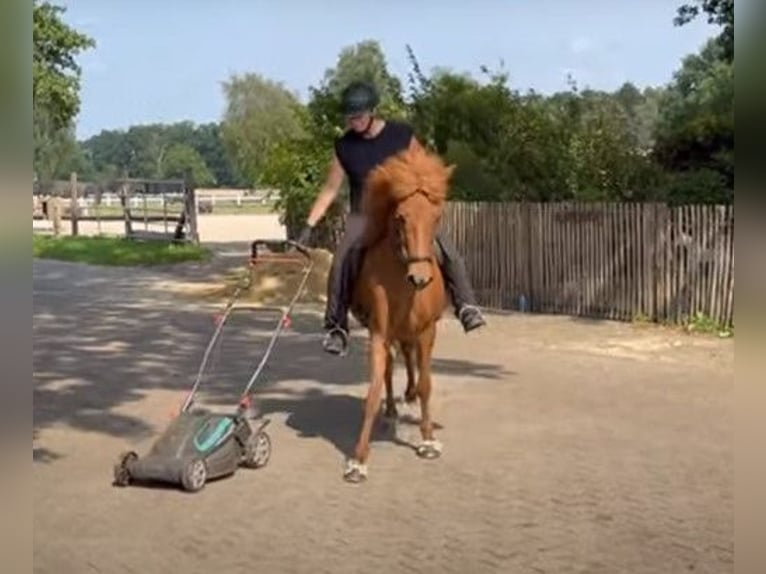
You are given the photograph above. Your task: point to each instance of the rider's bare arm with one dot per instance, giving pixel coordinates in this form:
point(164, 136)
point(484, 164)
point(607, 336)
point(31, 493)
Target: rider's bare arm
point(328, 193)
point(415, 144)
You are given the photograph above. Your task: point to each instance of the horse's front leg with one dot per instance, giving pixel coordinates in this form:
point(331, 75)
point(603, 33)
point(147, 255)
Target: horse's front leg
point(429, 447)
point(410, 393)
point(356, 468)
point(390, 412)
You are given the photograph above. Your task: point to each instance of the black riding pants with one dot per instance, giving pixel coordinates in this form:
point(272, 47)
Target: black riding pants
point(347, 262)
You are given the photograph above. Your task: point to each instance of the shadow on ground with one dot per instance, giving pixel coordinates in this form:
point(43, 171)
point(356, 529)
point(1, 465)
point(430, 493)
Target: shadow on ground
point(96, 351)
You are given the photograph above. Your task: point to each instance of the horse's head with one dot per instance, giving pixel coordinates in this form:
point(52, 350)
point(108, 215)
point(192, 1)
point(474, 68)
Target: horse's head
point(404, 200)
point(414, 222)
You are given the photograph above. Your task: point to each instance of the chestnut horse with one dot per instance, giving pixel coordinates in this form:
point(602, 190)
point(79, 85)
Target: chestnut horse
point(400, 294)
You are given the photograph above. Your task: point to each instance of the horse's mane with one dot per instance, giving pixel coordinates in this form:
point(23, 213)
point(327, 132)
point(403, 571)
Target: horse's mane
point(410, 171)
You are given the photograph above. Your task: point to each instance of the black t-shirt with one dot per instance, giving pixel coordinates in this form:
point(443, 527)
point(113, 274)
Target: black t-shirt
point(359, 155)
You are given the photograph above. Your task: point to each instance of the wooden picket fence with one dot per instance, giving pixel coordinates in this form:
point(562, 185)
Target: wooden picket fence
point(602, 260)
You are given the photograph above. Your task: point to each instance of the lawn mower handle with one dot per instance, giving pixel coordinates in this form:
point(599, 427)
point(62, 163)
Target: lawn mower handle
point(280, 245)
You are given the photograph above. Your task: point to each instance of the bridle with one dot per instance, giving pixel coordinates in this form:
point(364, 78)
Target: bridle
point(400, 246)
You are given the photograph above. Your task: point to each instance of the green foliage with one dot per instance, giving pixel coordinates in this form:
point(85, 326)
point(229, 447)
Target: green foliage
point(508, 146)
point(58, 154)
point(696, 186)
point(259, 114)
point(55, 73)
point(695, 130)
point(115, 251)
point(703, 324)
point(297, 167)
point(719, 12)
point(670, 143)
point(142, 151)
point(362, 61)
point(181, 161)
point(55, 86)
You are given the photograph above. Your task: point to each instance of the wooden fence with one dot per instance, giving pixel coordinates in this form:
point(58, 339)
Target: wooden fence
point(601, 260)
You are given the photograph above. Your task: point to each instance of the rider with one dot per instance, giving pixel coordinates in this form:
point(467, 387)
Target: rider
point(368, 142)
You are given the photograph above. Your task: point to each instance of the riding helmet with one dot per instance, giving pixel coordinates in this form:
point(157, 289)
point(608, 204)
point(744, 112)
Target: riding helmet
point(359, 97)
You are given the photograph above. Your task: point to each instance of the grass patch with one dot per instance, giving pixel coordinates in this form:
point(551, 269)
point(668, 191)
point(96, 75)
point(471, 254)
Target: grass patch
point(701, 323)
point(115, 251)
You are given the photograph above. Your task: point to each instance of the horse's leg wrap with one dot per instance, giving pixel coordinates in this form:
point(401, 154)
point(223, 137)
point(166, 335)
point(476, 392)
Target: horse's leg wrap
point(429, 449)
point(355, 471)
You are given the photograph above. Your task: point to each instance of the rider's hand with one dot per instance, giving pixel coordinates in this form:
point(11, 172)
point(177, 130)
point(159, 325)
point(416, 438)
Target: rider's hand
point(305, 235)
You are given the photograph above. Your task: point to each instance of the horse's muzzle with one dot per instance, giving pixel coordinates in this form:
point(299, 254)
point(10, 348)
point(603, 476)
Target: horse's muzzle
point(419, 281)
point(419, 271)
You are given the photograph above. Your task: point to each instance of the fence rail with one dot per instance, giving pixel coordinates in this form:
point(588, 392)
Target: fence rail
point(600, 260)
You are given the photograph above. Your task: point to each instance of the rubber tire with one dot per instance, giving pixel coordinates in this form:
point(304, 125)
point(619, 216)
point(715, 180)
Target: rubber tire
point(189, 478)
point(121, 474)
point(251, 460)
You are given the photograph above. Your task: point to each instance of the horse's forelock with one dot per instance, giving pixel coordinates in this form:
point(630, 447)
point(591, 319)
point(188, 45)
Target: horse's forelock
point(400, 177)
point(409, 172)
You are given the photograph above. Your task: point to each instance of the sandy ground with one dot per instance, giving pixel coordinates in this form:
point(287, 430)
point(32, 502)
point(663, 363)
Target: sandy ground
point(212, 228)
point(570, 446)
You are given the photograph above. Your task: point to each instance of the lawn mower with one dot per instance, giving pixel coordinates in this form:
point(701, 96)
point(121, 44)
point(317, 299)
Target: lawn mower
point(199, 444)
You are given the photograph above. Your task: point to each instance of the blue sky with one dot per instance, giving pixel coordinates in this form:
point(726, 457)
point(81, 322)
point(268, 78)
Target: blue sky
point(164, 60)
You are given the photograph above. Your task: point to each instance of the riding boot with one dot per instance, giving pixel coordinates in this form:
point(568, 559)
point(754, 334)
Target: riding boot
point(335, 319)
point(459, 286)
point(340, 290)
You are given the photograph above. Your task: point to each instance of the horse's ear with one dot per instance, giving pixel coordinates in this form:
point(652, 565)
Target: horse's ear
point(450, 170)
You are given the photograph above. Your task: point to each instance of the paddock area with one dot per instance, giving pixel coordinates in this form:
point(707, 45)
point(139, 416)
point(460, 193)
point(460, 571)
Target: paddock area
point(570, 445)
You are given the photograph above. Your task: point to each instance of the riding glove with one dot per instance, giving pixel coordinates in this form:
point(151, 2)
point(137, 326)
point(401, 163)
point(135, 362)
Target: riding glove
point(305, 235)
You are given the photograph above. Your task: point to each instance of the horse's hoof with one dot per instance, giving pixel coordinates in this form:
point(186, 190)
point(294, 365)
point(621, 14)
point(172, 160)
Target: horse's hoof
point(391, 414)
point(429, 449)
point(355, 472)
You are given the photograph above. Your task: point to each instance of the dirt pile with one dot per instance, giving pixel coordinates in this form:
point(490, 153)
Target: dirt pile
point(275, 283)
point(269, 282)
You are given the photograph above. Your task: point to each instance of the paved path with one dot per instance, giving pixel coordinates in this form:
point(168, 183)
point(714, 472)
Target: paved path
point(570, 446)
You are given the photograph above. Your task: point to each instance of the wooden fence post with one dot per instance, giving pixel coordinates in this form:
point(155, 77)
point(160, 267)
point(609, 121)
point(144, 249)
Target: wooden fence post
point(73, 205)
point(190, 200)
point(125, 201)
point(54, 209)
point(649, 241)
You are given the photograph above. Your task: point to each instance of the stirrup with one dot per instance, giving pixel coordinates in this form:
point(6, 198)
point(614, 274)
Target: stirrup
point(479, 320)
point(344, 338)
point(465, 308)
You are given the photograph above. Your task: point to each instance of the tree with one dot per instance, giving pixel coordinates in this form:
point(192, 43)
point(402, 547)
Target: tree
point(362, 61)
point(141, 151)
point(297, 165)
point(55, 83)
point(695, 130)
point(259, 114)
point(181, 161)
point(719, 12)
point(507, 146)
point(207, 140)
point(55, 72)
point(57, 156)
